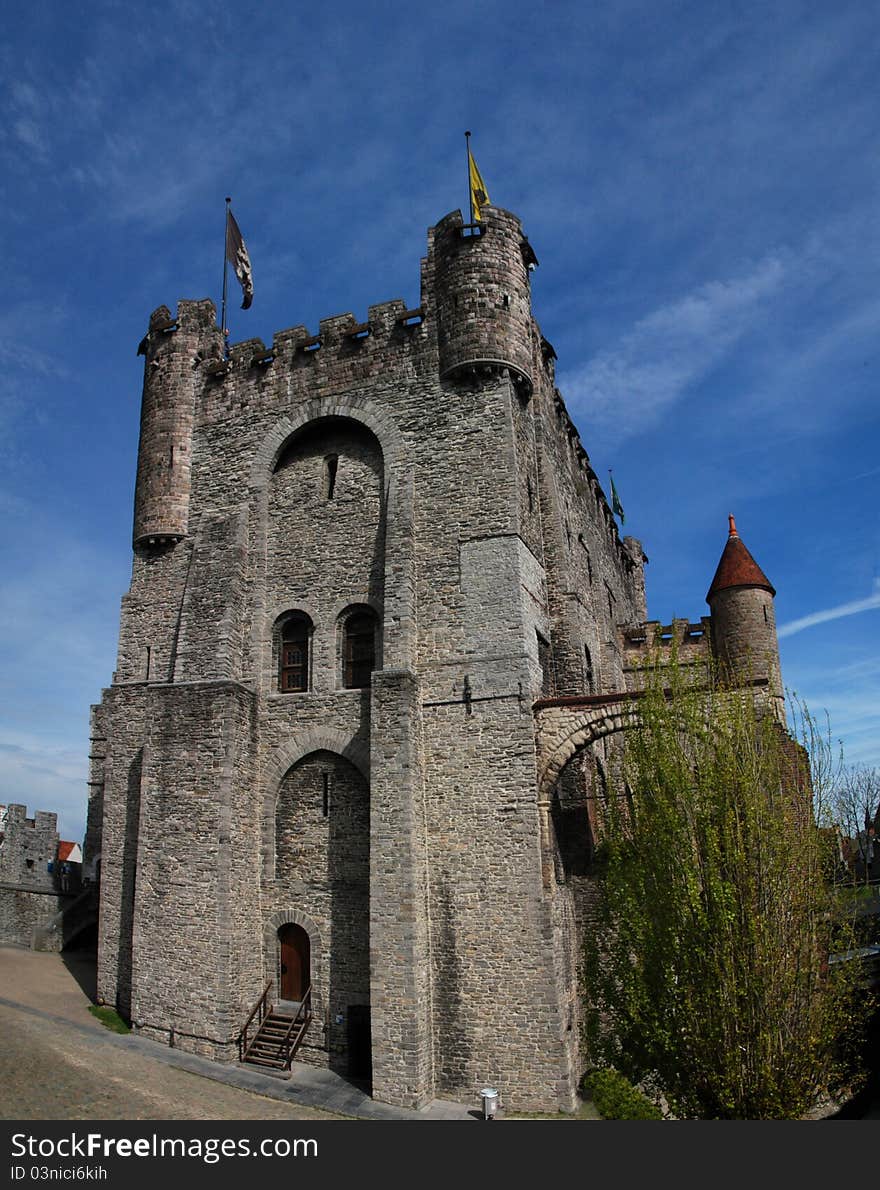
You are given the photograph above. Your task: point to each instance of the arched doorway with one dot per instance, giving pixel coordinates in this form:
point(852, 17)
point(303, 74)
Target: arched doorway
point(294, 962)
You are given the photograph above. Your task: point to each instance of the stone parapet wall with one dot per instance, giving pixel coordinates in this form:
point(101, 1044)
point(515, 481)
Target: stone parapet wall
point(25, 914)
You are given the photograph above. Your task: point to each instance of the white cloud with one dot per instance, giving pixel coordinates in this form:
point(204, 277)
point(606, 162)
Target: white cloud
point(45, 772)
point(633, 383)
point(833, 613)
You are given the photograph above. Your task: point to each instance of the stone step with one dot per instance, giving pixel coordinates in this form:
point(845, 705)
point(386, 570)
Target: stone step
point(255, 1060)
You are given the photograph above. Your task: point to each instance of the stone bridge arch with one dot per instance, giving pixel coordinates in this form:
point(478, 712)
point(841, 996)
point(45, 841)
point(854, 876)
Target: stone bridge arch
point(565, 726)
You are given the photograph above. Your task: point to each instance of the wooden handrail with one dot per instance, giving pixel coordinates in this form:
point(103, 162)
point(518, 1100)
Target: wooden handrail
point(289, 1042)
point(259, 1007)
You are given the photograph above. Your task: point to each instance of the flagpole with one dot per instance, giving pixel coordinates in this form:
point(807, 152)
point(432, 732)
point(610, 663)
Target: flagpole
point(467, 141)
point(223, 328)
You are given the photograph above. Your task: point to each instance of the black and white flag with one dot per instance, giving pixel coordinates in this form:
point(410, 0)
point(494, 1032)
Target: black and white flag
point(237, 255)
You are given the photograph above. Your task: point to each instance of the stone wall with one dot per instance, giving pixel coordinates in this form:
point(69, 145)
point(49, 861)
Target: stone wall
point(322, 849)
point(27, 847)
point(25, 915)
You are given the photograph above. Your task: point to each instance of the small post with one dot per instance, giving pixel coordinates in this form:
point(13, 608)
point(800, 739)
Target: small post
point(467, 141)
point(224, 329)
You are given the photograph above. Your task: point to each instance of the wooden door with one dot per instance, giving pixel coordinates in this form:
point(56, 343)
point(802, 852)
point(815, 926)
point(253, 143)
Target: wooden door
point(295, 958)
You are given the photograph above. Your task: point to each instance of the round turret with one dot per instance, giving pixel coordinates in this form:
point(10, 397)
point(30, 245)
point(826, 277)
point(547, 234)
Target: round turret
point(171, 347)
point(482, 295)
point(743, 617)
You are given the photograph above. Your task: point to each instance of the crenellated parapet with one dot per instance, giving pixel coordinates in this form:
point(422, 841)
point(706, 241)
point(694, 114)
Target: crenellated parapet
point(649, 644)
point(27, 847)
point(344, 352)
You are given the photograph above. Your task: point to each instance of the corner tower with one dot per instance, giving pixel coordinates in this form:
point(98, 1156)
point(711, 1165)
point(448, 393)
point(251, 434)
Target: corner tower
point(173, 349)
point(482, 295)
point(740, 599)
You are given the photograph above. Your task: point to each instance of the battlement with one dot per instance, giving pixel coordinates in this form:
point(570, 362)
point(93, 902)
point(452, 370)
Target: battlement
point(473, 321)
point(651, 643)
point(15, 816)
point(340, 338)
point(27, 846)
point(628, 549)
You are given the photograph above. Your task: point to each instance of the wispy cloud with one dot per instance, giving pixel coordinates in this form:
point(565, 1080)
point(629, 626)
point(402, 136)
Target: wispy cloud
point(633, 383)
point(45, 772)
point(833, 613)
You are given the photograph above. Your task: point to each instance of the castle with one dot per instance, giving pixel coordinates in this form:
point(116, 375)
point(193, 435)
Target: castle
point(380, 635)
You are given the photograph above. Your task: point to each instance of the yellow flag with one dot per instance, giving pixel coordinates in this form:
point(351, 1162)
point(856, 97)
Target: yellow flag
point(479, 193)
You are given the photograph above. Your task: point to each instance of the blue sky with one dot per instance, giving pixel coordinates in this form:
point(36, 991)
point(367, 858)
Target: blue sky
point(699, 181)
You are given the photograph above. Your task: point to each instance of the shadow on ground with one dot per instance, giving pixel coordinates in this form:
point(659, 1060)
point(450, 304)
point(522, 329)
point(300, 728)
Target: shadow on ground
point(83, 966)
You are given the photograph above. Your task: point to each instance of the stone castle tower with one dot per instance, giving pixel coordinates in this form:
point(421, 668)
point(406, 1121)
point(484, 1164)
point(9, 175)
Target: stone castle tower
point(381, 626)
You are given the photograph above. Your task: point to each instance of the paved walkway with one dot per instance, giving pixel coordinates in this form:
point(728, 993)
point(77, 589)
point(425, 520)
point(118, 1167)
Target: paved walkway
point(58, 1063)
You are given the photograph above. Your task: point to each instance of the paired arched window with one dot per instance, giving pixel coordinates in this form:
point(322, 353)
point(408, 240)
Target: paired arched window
point(358, 642)
point(296, 633)
point(358, 648)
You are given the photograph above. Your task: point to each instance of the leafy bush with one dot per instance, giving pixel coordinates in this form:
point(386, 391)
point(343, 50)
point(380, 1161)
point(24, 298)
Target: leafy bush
point(709, 963)
point(616, 1098)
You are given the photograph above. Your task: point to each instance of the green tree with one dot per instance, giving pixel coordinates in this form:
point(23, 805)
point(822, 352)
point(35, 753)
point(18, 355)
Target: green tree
point(709, 967)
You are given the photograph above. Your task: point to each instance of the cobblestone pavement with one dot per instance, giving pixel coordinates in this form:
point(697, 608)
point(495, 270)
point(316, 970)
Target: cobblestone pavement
point(56, 1063)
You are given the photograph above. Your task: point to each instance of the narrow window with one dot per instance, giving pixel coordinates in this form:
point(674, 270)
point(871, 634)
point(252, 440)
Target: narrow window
point(331, 466)
point(359, 650)
point(294, 674)
point(766, 617)
point(545, 662)
point(588, 671)
point(326, 777)
point(530, 493)
point(583, 546)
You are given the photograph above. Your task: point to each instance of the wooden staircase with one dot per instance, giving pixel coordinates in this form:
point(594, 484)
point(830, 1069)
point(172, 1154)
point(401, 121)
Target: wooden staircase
point(271, 1036)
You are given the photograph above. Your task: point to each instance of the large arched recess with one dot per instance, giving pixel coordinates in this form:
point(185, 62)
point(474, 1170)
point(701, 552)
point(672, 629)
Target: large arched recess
point(322, 863)
point(399, 577)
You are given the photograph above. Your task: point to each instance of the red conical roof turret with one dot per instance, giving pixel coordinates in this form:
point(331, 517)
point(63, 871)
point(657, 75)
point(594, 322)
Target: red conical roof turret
point(737, 567)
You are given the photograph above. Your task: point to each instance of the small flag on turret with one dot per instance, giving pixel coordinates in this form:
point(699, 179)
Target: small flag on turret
point(616, 506)
point(479, 193)
point(237, 255)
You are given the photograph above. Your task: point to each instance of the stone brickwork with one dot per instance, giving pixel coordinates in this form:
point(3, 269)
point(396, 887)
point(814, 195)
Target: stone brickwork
point(25, 915)
point(27, 847)
point(426, 829)
point(32, 906)
point(745, 621)
point(648, 644)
